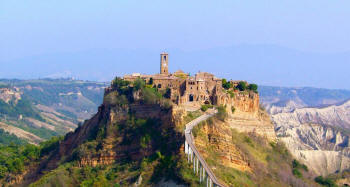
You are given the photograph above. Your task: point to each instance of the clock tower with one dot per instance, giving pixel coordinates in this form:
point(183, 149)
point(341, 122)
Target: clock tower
point(164, 64)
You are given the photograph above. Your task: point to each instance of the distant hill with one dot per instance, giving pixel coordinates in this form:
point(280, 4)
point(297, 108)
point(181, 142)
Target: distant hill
point(35, 110)
point(284, 99)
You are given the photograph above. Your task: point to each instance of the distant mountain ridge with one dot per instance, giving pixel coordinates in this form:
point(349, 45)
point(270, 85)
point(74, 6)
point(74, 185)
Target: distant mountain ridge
point(286, 99)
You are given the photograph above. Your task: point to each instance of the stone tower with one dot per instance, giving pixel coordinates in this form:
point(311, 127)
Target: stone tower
point(164, 64)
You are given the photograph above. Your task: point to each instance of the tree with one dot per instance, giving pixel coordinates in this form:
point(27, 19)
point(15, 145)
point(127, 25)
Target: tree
point(150, 82)
point(226, 85)
point(242, 86)
point(139, 84)
point(253, 87)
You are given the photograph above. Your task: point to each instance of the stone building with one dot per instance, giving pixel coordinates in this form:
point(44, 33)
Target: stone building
point(203, 88)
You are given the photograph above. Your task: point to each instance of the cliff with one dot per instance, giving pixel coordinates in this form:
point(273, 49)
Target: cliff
point(136, 137)
point(134, 129)
point(245, 115)
point(246, 159)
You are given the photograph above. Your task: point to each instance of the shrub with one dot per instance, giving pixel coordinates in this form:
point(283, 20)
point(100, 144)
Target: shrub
point(253, 87)
point(230, 92)
point(120, 84)
point(114, 98)
point(233, 109)
point(222, 114)
point(325, 181)
point(151, 95)
point(297, 173)
point(3, 171)
point(138, 84)
point(49, 145)
point(296, 164)
point(206, 107)
point(242, 86)
point(226, 85)
point(145, 140)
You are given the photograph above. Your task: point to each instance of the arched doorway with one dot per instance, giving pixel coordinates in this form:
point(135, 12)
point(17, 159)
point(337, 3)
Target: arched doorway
point(190, 98)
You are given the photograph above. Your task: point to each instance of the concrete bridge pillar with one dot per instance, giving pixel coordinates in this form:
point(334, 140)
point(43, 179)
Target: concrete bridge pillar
point(191, 155)
point(203, 175)
point(197, 166)
point(194, 165)
point(200, 173)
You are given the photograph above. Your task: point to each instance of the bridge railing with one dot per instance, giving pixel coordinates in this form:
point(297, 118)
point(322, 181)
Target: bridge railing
point(200, 167)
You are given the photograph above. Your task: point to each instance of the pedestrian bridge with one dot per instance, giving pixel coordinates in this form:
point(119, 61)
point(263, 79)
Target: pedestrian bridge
point(200, 167)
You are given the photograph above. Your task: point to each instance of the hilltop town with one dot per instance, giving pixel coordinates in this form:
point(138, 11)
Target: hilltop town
point(203, 88)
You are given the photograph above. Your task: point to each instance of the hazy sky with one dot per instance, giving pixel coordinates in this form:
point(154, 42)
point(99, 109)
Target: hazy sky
point(44, 27)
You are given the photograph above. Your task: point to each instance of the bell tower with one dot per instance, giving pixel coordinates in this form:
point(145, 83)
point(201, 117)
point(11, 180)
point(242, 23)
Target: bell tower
point(164, 64)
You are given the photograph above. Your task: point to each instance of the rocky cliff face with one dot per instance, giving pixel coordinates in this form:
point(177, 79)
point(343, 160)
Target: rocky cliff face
point(245, 159)
point(317, 137)
point(219, 140)
point(119, 133)
point(133, 125)
point(245, 115)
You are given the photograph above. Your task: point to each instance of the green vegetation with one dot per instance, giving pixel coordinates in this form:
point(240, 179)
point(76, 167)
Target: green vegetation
point(151, 95)
point(23, 107)
point(325, 181)
point(15, 158)
point(206, 107)
point(297, 167)
point(233, 109)
point(7, 139)
point(230, 92)
point(242, 86)
point(76, 100)
point(226, 85)
point(155, 141)
point(253, 87)
point(222, 113)
point(121, 85)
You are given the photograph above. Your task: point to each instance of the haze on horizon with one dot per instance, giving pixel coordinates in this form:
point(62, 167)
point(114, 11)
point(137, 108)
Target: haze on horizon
point(294, 43)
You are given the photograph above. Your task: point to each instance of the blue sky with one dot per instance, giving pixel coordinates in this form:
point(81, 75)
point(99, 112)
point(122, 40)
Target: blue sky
point(45, 36)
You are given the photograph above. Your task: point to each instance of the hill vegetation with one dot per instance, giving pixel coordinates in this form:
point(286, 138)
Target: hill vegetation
point(49, 107)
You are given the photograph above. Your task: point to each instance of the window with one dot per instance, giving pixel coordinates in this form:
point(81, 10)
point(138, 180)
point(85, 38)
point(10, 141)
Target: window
point(164, 57)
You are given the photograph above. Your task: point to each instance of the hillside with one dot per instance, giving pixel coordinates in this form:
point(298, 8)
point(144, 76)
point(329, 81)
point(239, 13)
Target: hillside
point(136, 139)
point(35, 110)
